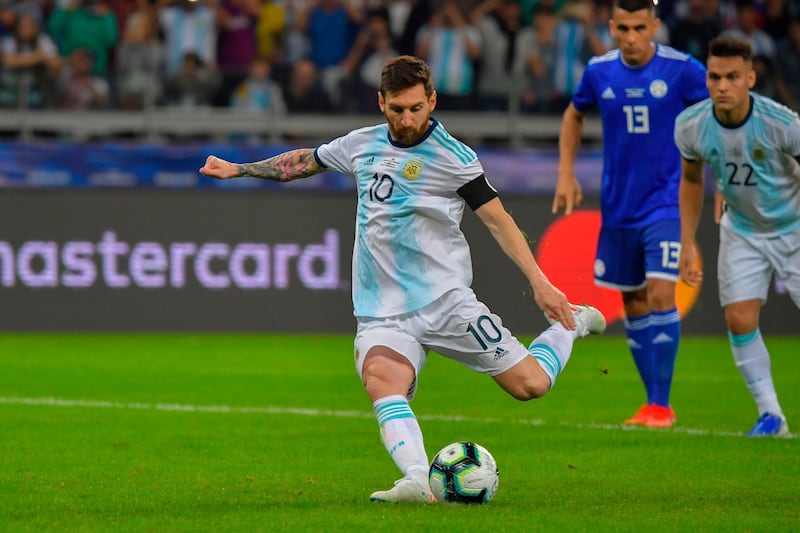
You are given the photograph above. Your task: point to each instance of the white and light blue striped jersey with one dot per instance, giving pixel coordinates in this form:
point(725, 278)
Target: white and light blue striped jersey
point(638, 106)
point(409, 248)
point(755, 163)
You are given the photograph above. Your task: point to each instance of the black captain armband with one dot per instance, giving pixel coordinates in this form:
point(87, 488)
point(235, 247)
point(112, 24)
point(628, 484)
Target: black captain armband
point(477, 192)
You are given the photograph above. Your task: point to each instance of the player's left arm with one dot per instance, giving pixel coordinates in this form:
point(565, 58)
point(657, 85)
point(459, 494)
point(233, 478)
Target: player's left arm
point(511, 239)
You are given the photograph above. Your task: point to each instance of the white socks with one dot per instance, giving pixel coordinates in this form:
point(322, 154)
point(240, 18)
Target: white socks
point(401, 435)
point(552, 350)
point(752, 360)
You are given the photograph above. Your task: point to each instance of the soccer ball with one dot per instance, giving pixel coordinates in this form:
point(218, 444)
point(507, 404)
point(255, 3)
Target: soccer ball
point(464, 472)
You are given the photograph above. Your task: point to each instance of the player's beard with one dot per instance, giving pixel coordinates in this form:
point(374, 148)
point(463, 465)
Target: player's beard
point(409, 134)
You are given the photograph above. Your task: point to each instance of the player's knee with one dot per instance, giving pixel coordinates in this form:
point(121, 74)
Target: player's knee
point(383, 376)
point(530, 388)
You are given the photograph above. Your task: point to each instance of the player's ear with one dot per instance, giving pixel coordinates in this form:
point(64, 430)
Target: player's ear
point(751, 78)
point(432, 100)
point(381, 102)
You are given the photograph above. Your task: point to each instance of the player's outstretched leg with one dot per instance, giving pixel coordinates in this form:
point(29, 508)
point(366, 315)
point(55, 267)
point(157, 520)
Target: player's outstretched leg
point(588, 319)
point(553, 347)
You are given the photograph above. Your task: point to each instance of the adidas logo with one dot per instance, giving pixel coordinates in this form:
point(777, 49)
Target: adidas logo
point(633, 345)
point(608, 94)
point(662, 338)
point(499, 353)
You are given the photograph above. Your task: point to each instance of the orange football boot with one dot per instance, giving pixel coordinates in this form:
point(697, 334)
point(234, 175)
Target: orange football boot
point(660, 417)
point(641, 417)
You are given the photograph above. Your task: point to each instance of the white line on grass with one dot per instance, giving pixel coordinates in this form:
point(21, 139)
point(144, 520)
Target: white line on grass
point(188, 408)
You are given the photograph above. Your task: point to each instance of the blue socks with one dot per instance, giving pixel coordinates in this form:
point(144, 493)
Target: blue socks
point(653, 340)
point(666, 330)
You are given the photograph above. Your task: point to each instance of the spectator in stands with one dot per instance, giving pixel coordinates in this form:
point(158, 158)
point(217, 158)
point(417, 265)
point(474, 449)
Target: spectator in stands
point(30, 62)
point(692, 32)
point(138, 63)
point(123, 9)
point(304, 93)
point(747, 28)
point(331, 27)
point(540, 93)
point(236, 44)
point(364, 63)
point(258, 92)
point(507, 51)
point(85, 24)
point(8, 18)
point(788, 64)
point(79, 88)
point(188, 27)
point(419, 14)
point(601, 40)
point(194, 85)
point(571, 38)
point(451, 47)
point(776, 15)
point(271, 31)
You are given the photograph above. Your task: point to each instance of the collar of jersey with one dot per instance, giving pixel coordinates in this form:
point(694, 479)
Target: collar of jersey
point(425, 135)
point(738, 124)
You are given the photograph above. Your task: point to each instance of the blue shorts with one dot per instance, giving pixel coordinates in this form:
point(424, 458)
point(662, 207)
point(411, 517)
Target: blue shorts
point(626, 257)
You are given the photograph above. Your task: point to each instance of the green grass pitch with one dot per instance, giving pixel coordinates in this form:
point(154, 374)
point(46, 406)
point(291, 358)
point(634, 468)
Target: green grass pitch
point(274, 433)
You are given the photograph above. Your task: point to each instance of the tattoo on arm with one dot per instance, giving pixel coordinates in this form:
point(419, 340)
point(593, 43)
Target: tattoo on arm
point(287, 166)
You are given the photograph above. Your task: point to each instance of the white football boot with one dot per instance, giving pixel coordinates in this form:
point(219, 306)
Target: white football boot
point(587, 318)
point(407, 489)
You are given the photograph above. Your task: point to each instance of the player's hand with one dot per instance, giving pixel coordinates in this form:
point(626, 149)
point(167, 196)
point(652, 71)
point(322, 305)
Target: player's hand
point(690, 270)
point(719, 206)
point(554, 304)
point(568, 194)
point(219, 168)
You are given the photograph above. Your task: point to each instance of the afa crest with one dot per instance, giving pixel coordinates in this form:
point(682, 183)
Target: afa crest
point(759, 154)
point(412, 169)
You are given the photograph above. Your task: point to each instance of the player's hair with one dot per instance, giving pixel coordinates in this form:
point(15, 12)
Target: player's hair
point(634, 5)
point(404, 72)
point(728, 46)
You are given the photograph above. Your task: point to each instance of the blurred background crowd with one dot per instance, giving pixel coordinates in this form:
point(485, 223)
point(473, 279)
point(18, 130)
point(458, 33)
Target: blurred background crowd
point(325, 56)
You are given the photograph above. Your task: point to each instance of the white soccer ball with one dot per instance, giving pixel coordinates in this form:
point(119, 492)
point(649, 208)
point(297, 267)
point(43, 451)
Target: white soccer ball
point(464, 472)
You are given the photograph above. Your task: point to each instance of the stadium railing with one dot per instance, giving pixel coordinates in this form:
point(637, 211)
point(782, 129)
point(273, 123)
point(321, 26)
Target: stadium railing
point(161, 124)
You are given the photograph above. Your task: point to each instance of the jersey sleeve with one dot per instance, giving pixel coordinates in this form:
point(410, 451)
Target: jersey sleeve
point(335, 154)
point(792, 141)
point(584, 97)
point(695, 82)
point(684, 138)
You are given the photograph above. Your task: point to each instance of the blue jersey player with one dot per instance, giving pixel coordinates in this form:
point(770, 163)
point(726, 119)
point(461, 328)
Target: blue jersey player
point(639, 89)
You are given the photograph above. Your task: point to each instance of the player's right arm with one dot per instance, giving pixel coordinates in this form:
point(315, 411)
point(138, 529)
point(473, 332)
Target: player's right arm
point(568, 191)
point(691, 204)
point(288, 166)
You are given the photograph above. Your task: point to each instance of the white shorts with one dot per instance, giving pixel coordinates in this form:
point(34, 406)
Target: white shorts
point(746, 264)
point(456, 326)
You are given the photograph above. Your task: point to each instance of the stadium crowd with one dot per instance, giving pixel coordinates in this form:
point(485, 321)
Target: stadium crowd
point(326, 55)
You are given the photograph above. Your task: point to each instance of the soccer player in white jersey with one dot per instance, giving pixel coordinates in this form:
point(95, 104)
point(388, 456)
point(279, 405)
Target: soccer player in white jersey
point(411, 265)
point(752, 145)
point(639, 89)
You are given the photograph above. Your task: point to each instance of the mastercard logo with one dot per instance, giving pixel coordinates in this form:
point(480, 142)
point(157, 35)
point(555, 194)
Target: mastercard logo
point(566, 254)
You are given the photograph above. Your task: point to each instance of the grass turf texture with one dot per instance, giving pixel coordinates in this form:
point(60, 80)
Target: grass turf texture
point(308, 456)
